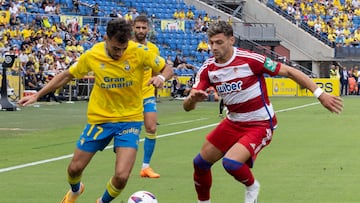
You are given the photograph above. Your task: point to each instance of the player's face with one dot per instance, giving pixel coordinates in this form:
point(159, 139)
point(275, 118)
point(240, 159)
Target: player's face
point(140, 30)
point(221, 47)
point(115, 49)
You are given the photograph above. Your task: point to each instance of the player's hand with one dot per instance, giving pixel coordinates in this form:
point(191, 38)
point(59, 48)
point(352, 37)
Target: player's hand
point(332, 103)
point(194, 97)
point(157, 81)
point(25, 101)
point(197, 95)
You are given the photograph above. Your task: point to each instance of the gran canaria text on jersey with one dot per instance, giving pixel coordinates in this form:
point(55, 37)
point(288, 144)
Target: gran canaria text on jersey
point(115, 83)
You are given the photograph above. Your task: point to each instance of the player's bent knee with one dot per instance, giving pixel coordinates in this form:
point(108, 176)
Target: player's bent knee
point(74, 170)
point(199, 162)
point(230, 164)
point(120, 181)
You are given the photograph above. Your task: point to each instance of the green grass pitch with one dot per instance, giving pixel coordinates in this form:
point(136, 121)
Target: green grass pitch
point(313, 157)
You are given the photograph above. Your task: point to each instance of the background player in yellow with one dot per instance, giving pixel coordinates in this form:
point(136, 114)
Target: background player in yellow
point(140, 30)
point(115, 109)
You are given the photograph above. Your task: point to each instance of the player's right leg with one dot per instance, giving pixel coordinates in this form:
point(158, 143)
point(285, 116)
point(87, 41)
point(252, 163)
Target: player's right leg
point(93, 138)
point(75, 169)
point(208, 155)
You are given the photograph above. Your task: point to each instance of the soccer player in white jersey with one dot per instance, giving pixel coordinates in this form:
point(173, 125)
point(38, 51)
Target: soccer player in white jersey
point(249, 124)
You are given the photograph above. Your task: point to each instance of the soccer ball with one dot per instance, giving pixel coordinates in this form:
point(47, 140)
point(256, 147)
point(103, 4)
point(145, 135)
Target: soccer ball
point(142, 197)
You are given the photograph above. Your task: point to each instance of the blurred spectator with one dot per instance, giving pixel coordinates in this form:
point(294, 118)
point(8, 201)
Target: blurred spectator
point(13, 9)
point(40, 78)
point(182, 15)
point(152, 27)
point(206, 18)
point(190, 14)
point(176, 14)
point(46, 22)
point(230, 20)
point(51, 95)
point(333, 72)
point(169, 61)
point(177, 61)
point(203, 46)
point(50, 8)
point(58, 39)
point(134, 13)
point(57, 9)
point(61, 63)
point(204, 27)
point(197, 26)
point(23, 57)
point(30, 79)
point(175, 85)
point(76, 6)
point(119, 14)
point(113, 13)
point(344, 81)
point(95, 12)
point(340, 40)
point(128, 17)
point(181, 63)
point(352, 86)
point(63, 26)
point(95, 32)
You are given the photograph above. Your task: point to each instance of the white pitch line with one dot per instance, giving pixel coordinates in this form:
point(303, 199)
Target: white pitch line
point(183, 122)
point(141, 140)
point(297, 107)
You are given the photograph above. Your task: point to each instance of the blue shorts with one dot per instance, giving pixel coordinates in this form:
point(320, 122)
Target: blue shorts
point(96, 137)
point(149, 104)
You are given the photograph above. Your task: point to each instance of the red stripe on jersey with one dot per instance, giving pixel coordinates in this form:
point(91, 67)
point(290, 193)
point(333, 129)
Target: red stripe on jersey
point(250, 105)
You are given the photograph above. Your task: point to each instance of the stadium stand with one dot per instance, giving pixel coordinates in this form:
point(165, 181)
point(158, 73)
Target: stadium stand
point(69, 22)
point(83, 24)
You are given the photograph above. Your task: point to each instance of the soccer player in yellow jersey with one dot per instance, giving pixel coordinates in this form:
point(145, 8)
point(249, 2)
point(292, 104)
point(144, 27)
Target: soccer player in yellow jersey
point(115, 109)
point(140, 30)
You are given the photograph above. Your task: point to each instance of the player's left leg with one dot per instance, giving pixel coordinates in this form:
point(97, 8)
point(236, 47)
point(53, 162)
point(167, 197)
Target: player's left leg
point(234, 164)
point(149, 145)
point(240, 157)
point(150, 119)
point(125, 159)
point(125, 145)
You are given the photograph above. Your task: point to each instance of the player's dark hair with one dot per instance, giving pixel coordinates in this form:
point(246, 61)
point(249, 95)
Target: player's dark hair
point(141, 18)
point(220, 27)
point(119, 29)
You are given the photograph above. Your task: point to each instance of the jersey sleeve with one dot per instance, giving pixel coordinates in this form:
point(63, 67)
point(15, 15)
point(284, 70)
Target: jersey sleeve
point(261, 64)
point(202, 81)
point(153, 60)
point(80, 68)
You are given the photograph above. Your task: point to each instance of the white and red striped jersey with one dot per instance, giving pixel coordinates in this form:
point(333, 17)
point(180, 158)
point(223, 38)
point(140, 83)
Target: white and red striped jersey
point(241, 83)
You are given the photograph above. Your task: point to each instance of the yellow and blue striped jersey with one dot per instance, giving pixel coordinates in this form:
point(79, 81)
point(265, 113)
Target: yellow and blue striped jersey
point(148, 90)
point(117, 92)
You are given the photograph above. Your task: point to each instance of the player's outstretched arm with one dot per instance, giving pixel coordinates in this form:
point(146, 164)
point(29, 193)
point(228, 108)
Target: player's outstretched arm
point(58, 81)
point(158, 79)
point(332, 103)
point(194, 97)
